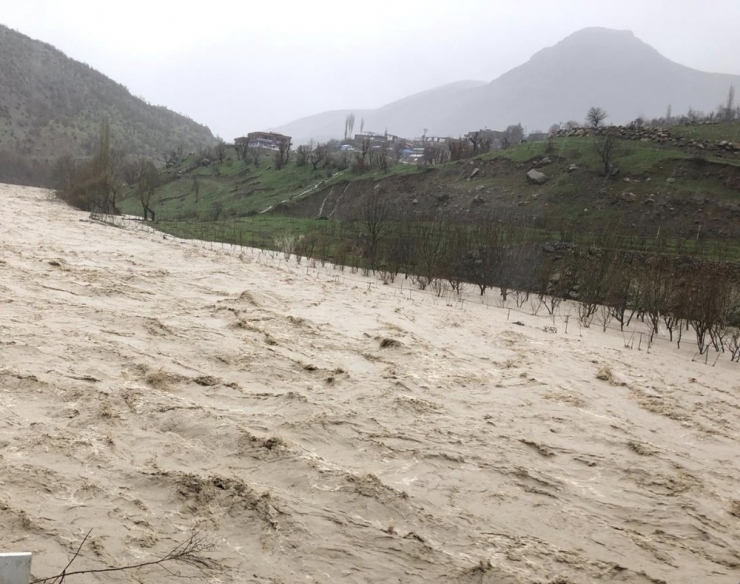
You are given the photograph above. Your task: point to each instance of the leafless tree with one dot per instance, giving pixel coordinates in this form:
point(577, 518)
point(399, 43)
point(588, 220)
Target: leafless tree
point(606, 147)
point(434, 154)
point(318, 155)
point(301, 155)
point(131, 171)
point(430, 248)
point(362, 156)
point(727, 110)
point(595, 117)
point(220, 150)
point(382, 158)
point(282, 154)
point(148, 181)
point(190, 553)
point(397, 151)
point(514, 134)
point(64, 172)
point(374, 225)
point(205, 152)
point(94, 185)
point(479, 142)
point(459, 149)
point(255, 153)
point(241, 146)
point(349, 126)
point(196, 188)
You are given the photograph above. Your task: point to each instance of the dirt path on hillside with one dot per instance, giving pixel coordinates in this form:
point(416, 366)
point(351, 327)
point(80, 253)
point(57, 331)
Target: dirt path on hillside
point(150, 387)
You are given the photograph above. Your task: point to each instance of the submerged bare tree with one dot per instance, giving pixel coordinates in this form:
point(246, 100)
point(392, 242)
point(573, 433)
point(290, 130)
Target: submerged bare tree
point(189, 552)
point(374, 225)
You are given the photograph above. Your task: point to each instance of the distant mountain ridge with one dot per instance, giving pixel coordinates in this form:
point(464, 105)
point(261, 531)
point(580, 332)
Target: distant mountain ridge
point(612, 69)
point(52, 105)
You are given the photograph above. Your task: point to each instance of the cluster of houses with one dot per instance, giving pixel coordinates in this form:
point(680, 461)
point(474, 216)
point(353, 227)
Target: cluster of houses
point(267, 140)
point(409, 150)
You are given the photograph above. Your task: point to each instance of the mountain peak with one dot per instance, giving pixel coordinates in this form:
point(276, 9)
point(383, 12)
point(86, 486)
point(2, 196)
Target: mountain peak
point(598, 43)
point(612, 69)
point(599, 32)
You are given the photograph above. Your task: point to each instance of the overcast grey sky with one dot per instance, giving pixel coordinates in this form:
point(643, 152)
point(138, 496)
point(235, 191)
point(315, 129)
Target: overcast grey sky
point(241, 65)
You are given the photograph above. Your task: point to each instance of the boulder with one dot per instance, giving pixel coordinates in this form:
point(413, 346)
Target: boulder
point(573, 168)
point(205, 162)
point(670, 180)
point(536, 177)
point(544, 162)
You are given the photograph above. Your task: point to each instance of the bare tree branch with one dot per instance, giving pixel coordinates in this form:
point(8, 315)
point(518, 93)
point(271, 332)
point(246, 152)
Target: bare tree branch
point(188, 552)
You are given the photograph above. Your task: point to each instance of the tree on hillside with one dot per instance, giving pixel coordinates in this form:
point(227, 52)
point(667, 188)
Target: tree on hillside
point(148, 181)
point(379, 155)
point(64, 172)
point(301, 155)
point(196, 188)
point(361, 157)
point(282, 154)
point(317, 155)
point(94, 185)
point(595, 117)
point(220, 150)
point(349, 126)
point(240, 146)
point(375, 225)
point(727, 110)
point(514, 134)
point(606, 147)
point(255, 153)
point(480, 142)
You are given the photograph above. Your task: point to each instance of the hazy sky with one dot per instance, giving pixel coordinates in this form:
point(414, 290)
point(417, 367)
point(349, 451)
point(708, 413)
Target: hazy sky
point(241, 65)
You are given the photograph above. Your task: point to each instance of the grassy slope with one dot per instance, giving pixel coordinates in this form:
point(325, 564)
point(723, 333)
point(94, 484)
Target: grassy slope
point(240, 190)
point(236, 188)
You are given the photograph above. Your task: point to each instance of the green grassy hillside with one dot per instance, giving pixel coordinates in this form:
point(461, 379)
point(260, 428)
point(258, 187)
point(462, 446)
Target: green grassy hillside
point(658, 186)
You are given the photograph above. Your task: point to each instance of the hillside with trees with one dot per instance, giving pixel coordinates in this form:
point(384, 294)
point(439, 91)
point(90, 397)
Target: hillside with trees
point(51, 105)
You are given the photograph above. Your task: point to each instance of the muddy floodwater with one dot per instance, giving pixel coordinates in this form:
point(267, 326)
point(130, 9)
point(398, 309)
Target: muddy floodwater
point(317, 426)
